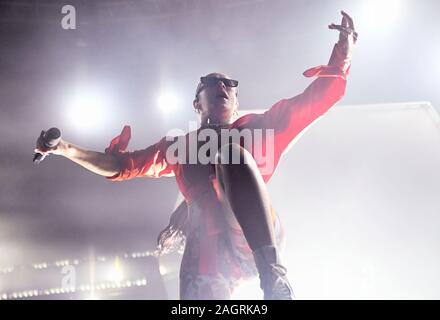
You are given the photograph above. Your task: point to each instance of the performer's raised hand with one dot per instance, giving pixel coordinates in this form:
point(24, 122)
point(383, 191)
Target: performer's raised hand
point(44, 149)
point(347, 34)
point(50, 142)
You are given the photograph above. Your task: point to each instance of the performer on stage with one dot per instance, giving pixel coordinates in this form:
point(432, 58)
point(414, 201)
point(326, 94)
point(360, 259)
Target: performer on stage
point(230, 229)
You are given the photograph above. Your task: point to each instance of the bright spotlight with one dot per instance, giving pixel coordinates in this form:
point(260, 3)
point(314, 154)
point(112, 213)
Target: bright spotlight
point(88, 108)
point(115, 273)
point(91, 296)
point(163, 270)
point(248, 290)
point(167, 102)
point(382, 14)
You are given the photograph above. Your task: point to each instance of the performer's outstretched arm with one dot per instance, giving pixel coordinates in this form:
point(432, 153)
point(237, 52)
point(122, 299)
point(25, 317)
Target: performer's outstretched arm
point(100, 163)
point(290, 116)
point(116, 163)
point(150, 162)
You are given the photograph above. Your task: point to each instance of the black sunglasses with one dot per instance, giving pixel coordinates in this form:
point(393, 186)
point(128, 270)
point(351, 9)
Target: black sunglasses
point(213, 81)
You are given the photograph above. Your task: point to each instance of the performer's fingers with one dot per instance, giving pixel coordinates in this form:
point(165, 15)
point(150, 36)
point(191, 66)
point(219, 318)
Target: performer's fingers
point(348, 19)
point(333, 26)
point(344, 22)
point(355, 36)
point(344, 31)
point(339, 28)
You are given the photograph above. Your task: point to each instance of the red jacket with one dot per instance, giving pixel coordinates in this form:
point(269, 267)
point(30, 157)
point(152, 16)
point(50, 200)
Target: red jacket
point(287, 118)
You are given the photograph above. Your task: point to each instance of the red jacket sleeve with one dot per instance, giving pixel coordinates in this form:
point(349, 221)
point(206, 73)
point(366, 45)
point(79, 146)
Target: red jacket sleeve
point(149, 162)
point(289, 117)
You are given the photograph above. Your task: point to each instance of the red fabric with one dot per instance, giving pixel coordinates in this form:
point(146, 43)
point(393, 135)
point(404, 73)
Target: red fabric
point(288, 118)
point(120, 143)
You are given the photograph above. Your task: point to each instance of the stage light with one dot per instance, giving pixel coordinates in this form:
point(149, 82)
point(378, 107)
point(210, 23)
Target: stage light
point(115, 273)
point(88, 108)
point(163, 270)
point(168, 102)
point(248, 290)
point(382, 15)
point(92, 296)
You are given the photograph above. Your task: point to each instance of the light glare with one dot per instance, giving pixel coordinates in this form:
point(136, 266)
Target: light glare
point(167, 102)
point(378, 14)
point(88, 109)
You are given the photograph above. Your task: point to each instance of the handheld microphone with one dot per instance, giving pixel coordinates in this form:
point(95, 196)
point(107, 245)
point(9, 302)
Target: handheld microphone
point(48, 139)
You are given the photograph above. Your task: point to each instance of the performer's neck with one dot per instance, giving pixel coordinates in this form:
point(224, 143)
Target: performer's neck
point(206, 122)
